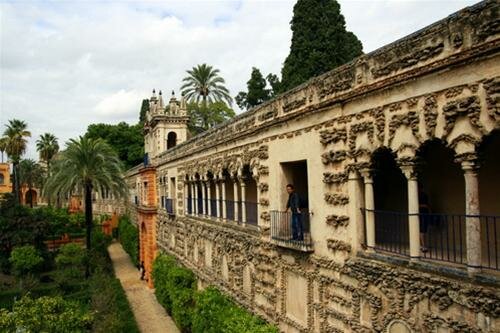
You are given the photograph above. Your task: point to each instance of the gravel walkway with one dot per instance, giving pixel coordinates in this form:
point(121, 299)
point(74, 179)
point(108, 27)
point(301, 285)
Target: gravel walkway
point(149, 314)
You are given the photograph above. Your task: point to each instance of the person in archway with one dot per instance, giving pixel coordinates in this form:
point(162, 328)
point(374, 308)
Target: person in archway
point(293, 206)
point(424, 211)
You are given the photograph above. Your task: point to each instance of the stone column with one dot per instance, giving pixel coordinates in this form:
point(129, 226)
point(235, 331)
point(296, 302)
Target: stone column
point(217, 198)
point(209, 198)
point(355, 190)
point(235, 188)
point(223, 184)
point(243, 200)
point(413, 217)
point(369, 206)
point(195, 198)
point(472, 220)
point(203, 195)
point(186, 193)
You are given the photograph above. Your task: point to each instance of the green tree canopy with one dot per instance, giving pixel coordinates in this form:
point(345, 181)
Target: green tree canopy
point(25, 259)
point(203, 117)
point(30, 174)
point(47, 146)
point(256, 91)
point(15, 136)
point(204, 84)
point(127, 140)
point(87, 164)
point(45, 314)
point(144, 110)
point(320, 42)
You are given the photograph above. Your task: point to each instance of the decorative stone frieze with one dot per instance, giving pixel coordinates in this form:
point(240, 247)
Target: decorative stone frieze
point(263, 187)
point(334, 178)
point(337, 220)
point(468, 106)
point(336, 199)
point(333, 135)
point(333, 156)
point(338, 245)
point(492, 89)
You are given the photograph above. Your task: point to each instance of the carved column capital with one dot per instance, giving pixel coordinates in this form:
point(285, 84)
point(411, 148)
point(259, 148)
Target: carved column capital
point(366, 173)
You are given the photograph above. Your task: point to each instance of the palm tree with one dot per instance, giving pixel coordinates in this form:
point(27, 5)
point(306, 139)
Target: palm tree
point(86, 164)
point(30, 173)
point(15, 134)
point(3, 146)
point(204, 83)
point(47, 147)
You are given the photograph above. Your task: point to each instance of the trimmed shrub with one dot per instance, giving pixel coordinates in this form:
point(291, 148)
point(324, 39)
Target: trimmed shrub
point(129, 238)
point(45, 314)
point(216, 313)
point(207, 311)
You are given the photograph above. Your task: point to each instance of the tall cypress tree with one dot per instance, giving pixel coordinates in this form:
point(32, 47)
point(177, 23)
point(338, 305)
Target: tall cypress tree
point(320, 42)
point(144, 109)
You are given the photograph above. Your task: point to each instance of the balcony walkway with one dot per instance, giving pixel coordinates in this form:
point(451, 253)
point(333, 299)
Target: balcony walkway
point(149, 314)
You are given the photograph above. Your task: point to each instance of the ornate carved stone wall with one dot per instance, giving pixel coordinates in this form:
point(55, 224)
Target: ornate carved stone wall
point(440, 83)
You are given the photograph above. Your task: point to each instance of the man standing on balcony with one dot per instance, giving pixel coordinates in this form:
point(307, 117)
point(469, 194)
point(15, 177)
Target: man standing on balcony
point(293, 206)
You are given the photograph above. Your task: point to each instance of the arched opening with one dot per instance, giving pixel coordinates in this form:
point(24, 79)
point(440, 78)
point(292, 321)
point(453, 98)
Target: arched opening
point(250, 196)
point(171, 140)
point(229, 187)
point(489, 204)
point(441, 203)
point(189, 197)
point(200, 195)
point(2, 179)
point(30, 198)
point(391, 203)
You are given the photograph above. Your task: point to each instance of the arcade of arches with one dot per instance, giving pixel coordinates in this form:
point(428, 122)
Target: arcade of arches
point(396, 155)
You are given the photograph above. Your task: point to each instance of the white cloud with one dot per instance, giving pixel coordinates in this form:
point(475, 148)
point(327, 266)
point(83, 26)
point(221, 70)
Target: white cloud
point(67, 64)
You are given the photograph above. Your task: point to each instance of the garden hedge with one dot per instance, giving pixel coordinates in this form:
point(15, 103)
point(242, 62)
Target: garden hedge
point(129, 238)
point(206, 311)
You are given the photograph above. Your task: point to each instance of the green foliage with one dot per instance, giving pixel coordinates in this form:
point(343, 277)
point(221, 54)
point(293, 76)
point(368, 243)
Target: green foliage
point(202, 117)
point(127, 140)
point(70, 265)
point(15, 143)
point(45, 314)
point(204, 85)
point(129, 238)
point(320, 42)
point(207, 311)
point(216, 313)
point(112, 310)
point(144, 110)
point(25, 259)
point(256, 91)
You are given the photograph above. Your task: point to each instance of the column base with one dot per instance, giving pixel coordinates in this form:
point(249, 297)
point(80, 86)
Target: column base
point(473, 270)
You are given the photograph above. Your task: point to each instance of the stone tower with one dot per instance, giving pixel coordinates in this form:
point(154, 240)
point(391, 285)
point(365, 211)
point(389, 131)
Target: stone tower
point(165, 126)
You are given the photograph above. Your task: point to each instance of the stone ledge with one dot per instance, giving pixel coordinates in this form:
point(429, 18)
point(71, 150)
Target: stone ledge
point(441, 268)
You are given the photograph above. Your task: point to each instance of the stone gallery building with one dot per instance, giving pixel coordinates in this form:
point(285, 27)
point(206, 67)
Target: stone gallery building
point(396, 158)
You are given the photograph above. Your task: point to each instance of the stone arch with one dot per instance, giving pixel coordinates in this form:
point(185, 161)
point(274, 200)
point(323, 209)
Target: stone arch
point(441, 177)
point(391, 202)
point(398, 326)
point(171, 139)
point(31, 197)
point(489, 173)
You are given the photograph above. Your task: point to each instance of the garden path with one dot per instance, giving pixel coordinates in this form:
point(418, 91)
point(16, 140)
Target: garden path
point(151, 317)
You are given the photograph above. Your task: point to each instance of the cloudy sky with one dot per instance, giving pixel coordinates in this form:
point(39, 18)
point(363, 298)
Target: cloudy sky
point(67, 64)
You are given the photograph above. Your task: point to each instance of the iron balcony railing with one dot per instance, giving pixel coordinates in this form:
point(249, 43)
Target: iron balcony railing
point(291, 229)
point(442, 236)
